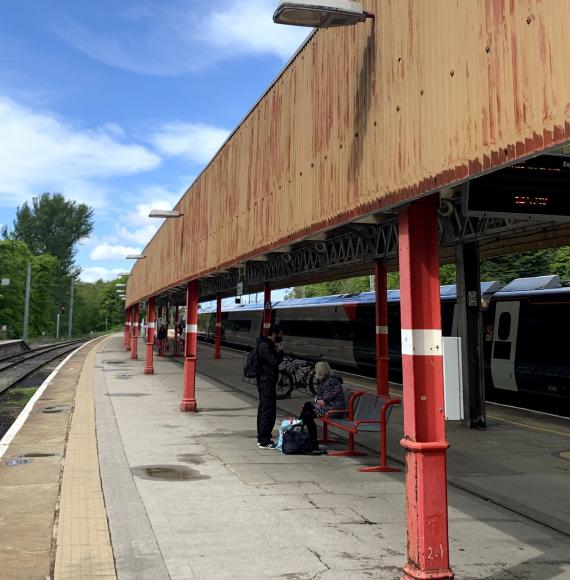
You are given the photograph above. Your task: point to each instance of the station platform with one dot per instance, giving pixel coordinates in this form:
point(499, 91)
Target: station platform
point(121, 484)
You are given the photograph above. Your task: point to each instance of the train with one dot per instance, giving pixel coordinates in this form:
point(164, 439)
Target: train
point(525, 325)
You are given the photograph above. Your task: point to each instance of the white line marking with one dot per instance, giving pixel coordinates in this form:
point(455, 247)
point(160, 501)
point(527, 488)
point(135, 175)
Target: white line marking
point(19, 422)
point(529, 410)
point(420, 342)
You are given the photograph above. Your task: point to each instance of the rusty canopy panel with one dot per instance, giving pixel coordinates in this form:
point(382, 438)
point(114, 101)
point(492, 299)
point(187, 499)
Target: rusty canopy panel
point(429, 93)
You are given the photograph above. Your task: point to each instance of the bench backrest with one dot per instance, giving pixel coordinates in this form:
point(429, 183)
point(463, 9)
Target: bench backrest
point(368, 407)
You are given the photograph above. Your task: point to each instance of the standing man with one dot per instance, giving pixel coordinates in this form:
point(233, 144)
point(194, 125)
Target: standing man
point(269, 357)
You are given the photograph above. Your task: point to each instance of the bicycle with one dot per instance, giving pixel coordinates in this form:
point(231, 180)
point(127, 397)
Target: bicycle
point(295, 373)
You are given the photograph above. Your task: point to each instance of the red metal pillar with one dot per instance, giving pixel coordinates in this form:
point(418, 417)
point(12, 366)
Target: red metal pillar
point(424, 415)
point(149, 365)
point(135, 332)
point(188, 403)
point(176, 319)
point(218, 335)
point(382, 358)
point(266, 308)
point(127, 339)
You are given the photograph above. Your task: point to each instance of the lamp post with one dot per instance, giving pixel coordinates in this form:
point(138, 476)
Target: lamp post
point(320, 13)
point(27, 301)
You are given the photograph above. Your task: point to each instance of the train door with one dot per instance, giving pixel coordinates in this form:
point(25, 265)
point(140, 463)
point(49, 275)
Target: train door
point(505, 345)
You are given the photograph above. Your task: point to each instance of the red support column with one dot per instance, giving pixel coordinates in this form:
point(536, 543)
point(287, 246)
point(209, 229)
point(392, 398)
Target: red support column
point(382, 358)
point(176, 319)
point(424, 415)
point(188, 403)
point(135, 333)
point(149, 364)
point(218, 335)
point(266, 308)
point(127, 339)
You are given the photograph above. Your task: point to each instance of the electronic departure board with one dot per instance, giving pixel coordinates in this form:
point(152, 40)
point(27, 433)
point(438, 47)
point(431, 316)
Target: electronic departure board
point(536, 189)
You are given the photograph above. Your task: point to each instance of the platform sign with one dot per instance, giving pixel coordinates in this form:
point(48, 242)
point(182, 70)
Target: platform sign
point(536, 189)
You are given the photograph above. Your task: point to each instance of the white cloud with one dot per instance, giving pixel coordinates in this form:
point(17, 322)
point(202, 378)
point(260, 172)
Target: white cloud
point(106, 252)
point(197, 142)
point(94, 273)
point(247, 27)
point(168, 39)
point(40, 152)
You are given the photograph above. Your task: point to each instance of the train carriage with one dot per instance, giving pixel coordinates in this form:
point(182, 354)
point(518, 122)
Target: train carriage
point(524, 327)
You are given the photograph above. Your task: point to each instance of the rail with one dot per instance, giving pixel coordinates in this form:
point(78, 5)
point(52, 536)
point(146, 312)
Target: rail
point(14, 368)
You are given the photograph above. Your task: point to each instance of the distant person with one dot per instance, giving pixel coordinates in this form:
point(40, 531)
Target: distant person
point(269, 357)
point(330, 397)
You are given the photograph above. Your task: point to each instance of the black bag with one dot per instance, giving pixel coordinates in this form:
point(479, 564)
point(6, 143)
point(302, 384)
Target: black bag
point(250, 367)
point(296, 440)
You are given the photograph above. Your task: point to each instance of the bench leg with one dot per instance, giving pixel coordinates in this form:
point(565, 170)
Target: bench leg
point(383, 467)
point(325, 438)
point(350, 452)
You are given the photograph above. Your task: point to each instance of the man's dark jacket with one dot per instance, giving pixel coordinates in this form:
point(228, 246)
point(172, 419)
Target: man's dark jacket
point(268, 361)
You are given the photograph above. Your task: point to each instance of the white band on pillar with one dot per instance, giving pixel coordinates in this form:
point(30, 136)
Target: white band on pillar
point(135, 324)
point(266, 324)
point(191, 328)
point(151, 325)
point(218, 324)
point(381, 330)
point(128, 323)
point(422, 342)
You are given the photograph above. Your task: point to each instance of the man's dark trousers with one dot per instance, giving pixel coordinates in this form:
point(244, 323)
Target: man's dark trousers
point(266, 412)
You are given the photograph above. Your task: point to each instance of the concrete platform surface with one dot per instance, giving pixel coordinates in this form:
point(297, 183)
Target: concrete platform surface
point(191, 496)
point(520, 461)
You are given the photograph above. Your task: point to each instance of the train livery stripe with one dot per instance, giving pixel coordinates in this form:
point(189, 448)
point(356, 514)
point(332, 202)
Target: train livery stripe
point(424, 342)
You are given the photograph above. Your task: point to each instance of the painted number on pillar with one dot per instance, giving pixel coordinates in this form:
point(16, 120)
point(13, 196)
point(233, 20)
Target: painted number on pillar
point(436, 554)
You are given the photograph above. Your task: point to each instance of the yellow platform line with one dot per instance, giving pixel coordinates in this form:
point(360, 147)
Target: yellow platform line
point(528, 425)
point(83, 550)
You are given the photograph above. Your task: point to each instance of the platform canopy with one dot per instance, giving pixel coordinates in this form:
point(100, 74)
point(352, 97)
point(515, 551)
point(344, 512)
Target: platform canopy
point(425, 96)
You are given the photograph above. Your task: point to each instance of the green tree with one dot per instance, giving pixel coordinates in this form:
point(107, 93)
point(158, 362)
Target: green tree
point(346, 286)
point(52, 225)
point(97, 307)
point(528, 264)
point(14, 259)
point(560, 263)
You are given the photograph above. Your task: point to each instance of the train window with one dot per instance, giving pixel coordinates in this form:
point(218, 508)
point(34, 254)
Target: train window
point(237, 325)
point(504, 329)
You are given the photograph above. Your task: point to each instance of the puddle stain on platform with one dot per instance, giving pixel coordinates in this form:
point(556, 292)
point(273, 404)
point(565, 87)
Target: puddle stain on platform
point(167, 473)
point(56, 409)
point(192, 458)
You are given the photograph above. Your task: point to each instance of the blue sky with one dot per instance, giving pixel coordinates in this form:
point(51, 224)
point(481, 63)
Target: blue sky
point(120, 104)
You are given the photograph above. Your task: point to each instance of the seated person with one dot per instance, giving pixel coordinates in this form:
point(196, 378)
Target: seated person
point(330, 397)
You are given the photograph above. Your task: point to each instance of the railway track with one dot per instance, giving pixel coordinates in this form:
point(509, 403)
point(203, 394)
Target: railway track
point(15, 367)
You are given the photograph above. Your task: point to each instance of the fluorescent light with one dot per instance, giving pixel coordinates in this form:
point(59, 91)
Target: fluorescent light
point(134, 257)
point(319, 13)
point(160, 213)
